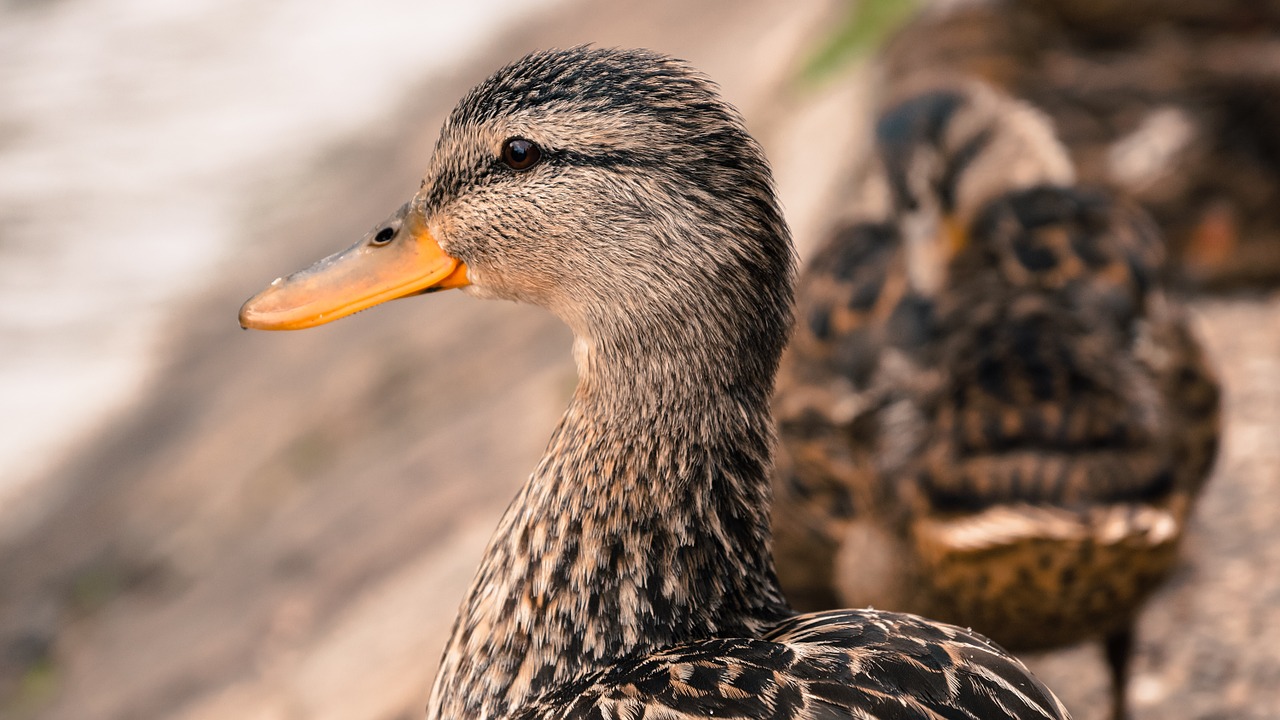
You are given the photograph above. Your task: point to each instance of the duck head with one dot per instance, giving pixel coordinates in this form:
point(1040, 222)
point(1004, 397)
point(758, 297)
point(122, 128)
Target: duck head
point(945, 153)
point(612, 187)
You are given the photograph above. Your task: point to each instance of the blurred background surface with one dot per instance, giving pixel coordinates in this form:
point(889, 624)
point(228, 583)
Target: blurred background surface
point(133, 137)
point(197, 522)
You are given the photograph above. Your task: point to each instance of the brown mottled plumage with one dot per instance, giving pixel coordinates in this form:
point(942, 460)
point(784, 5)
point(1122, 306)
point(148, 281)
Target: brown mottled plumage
point(1175, 103)
point(632, 575)
point(991, 414)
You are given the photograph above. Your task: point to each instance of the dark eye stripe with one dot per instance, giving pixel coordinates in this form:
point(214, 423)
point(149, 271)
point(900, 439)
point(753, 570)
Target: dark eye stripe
point(603, 159)
point(487, 169)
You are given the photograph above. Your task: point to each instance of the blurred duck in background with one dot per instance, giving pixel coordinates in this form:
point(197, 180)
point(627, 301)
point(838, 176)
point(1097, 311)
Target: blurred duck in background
point(1175, 103)
point(991, 413)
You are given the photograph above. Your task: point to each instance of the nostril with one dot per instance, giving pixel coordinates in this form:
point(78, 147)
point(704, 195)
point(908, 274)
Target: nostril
point(384, 236)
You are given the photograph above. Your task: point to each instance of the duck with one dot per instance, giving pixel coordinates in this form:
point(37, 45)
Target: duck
point(1169, 102)
point(632, 575)
point(992, 413)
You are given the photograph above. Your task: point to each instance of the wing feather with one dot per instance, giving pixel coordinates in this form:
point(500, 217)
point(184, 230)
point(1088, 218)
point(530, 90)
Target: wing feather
point(841, 665)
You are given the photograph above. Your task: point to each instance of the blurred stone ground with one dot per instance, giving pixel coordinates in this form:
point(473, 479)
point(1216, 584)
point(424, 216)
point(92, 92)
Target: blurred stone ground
point(283, 528)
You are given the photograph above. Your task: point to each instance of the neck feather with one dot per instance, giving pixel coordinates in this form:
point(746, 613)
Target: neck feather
point(645, 525)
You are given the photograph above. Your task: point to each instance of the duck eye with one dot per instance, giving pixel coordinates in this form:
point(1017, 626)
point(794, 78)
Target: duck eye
point(520, 154)
point(384, 236)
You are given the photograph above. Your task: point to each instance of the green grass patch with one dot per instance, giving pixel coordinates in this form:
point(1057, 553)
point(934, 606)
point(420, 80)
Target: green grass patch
point(864, 29)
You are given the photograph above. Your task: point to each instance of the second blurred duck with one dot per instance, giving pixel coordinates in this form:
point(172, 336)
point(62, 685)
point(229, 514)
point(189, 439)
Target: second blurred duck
point(991, 414)
point(1174, 102)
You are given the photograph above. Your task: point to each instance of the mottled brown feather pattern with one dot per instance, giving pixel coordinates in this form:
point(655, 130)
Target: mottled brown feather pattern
point(1014, 446)
point(825, 666)
point(632, 576)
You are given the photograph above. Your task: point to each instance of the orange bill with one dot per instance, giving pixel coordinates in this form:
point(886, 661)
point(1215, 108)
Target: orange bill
point(955, 237)
point(398, 259)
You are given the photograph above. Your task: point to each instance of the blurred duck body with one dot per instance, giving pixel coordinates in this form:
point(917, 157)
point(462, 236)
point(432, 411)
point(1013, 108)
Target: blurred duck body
point(991, 412)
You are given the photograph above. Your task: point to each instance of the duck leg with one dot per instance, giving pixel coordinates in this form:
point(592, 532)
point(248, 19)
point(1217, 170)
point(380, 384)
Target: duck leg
point(1118, 647)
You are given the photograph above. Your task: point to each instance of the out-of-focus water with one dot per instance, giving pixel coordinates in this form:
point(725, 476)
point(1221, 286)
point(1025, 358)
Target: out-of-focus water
point(130, 132)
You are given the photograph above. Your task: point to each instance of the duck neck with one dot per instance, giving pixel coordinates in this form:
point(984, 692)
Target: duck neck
point(645, 525)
